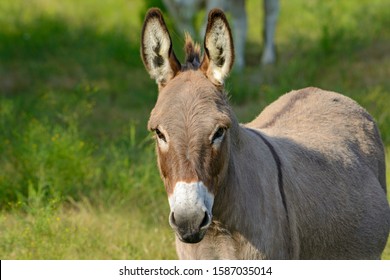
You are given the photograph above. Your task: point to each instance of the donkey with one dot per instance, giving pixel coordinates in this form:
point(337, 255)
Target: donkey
point(304, 180)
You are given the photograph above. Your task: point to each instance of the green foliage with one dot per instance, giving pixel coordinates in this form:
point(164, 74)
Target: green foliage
point(78, 177)
point(84, 232)
point(43, 152)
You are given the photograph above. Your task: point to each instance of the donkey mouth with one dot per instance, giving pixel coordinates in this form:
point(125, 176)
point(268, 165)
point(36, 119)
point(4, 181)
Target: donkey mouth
point(191, 237)
point(189, 233)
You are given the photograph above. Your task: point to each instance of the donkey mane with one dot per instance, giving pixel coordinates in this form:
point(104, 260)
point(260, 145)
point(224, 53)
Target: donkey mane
point(192, 52)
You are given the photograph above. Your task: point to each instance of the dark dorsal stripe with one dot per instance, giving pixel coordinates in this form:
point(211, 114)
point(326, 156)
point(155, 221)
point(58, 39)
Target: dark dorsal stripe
point(280, 178)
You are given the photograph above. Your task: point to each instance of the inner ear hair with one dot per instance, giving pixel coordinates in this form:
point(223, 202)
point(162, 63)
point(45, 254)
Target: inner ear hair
point(156, 48)
point(219, 49)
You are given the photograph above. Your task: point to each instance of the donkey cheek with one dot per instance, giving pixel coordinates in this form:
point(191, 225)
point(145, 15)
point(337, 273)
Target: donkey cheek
point(164, 172)
point(218, 162)
point(163, 163)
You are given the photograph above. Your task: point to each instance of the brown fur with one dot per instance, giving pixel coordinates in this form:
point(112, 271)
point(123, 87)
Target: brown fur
point(191, 107)
point(304, 180)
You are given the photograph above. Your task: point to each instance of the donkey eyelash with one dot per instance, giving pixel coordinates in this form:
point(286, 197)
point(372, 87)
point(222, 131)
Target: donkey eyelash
point(218, 135)
point(160, 135)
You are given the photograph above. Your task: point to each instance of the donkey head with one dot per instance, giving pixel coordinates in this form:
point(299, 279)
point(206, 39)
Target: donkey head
point(192, 120)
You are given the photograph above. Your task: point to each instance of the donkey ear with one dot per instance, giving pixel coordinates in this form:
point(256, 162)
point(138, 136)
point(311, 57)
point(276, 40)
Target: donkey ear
point(219, 50)
point(156, 48)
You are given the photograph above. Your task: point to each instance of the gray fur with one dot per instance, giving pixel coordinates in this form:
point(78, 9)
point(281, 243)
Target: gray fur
point(334, 177)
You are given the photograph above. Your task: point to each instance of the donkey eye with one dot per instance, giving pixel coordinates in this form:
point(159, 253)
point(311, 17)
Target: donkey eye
point(217, 137)
point(160, 135)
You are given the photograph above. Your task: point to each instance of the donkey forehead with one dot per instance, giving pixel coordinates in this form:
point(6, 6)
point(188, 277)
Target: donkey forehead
point(190, 99)
point(189, 84)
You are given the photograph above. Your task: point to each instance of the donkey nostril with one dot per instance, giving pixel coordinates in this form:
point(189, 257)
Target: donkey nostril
point(205, 221)
point(172, 220)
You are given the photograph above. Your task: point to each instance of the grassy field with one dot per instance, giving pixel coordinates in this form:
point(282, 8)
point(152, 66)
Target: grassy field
point(78, 178)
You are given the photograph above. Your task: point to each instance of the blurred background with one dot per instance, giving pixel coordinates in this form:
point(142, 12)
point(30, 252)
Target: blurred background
point(78, 174)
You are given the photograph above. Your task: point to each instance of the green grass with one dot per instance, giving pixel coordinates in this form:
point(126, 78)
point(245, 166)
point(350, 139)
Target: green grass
point(78, 178)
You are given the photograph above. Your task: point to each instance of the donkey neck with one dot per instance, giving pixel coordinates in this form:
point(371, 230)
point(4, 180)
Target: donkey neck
point(250, 201)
